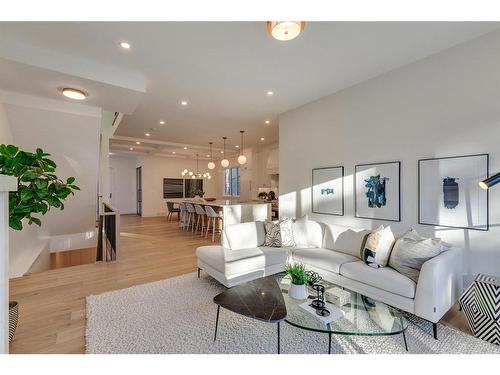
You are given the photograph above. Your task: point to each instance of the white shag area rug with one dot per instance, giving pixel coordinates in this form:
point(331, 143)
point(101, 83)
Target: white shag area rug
point(177, 315)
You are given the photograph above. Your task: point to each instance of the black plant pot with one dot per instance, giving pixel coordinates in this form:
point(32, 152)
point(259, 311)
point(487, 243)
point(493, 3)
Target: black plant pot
point(13, 317)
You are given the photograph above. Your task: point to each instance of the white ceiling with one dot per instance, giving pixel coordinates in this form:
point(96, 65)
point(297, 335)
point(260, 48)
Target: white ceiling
point(225, 69)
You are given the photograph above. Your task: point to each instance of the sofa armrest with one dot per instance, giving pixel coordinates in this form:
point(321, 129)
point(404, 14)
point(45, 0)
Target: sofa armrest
point(439, 285)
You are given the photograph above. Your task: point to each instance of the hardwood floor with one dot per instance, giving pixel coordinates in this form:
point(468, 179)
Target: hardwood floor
point(52, 303)
point(72, 258)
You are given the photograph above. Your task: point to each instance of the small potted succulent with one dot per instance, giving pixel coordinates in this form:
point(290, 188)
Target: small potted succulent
point(262, 196)
point(297, 273)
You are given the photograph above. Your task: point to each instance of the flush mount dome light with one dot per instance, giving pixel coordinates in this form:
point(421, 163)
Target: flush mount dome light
point(285, 30)
point(74, 94)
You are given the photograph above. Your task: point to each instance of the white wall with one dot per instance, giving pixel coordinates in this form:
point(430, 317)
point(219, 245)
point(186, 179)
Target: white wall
point(5, 133)
point(156, 168)
point(445, 105)
point(70, 133)
point(123, 183)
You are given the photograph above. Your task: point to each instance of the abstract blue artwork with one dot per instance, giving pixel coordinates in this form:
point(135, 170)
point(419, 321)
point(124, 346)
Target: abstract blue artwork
point(376, 191)
point(327, 191)
point(450, 192)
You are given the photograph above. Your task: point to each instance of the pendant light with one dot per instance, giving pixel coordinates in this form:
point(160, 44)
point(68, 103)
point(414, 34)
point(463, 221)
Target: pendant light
point(211, 164)
point(194, 175)
point(242, 159)
point(224, 162)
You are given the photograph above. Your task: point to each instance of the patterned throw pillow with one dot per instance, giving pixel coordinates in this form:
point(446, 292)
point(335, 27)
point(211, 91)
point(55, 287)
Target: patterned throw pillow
point(377, 248)
point(273, 234)
point(411, 251)
point(279, 233)
point(286, 229)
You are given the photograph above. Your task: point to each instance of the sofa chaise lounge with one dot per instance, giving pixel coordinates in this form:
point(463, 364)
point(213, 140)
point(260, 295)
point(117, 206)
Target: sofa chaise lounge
point(334, 252)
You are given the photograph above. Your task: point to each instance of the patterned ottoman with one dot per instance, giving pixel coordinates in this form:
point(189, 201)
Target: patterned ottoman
point(481, 306)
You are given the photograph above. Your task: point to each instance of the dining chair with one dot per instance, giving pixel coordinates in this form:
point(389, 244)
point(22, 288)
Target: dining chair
point(183, 215)
point(172, 210)
point(191, 216)
point(213, 216)
point(200, 213)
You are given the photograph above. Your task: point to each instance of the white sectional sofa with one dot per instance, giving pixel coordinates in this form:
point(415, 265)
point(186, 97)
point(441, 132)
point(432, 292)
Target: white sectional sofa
point(333, 251)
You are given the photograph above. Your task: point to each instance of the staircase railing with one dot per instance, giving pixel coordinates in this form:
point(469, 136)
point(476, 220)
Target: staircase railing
point(108, 239)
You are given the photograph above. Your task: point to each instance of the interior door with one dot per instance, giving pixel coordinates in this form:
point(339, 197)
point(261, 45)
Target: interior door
point(138, 178)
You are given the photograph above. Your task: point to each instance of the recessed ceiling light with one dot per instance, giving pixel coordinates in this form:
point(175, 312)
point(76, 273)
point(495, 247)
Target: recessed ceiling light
point(222, 152)
point(131, 149)
point(237, 146)
point(267, 122)
point(262, 139)
point(147, 134)
point(208, 156)
point(74, 94)
point(162, 122)
point(270, 93)
point(173, 152)
point(185, 148)
point(110, 153)
point(125, 45)
point(184, 102)
point(137, 143)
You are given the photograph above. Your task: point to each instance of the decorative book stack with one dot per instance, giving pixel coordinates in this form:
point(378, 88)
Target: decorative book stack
point(338, 296)
point(334, 312)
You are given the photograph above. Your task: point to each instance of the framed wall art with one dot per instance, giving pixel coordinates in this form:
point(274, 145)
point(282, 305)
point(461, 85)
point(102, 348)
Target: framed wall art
point(327, 191)
point(377, 191)
point(449, 194)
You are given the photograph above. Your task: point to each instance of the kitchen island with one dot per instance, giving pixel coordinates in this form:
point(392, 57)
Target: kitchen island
point(233, 211)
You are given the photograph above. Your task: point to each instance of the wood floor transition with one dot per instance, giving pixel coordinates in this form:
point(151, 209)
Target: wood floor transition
point(52, 303)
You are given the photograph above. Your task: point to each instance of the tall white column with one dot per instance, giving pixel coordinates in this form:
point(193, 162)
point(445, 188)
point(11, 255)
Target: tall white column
point(7, 183)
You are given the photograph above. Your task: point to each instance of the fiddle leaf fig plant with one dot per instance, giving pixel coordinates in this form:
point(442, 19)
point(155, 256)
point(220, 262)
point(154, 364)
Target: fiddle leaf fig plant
point(38, 188)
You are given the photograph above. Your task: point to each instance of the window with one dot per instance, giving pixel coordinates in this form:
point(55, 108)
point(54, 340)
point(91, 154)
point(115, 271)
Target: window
point(232, 182)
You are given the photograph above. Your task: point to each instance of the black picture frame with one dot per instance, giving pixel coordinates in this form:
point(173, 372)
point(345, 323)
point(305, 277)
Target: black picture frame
point(419, 166)
point(341, 167)
point(355, 187)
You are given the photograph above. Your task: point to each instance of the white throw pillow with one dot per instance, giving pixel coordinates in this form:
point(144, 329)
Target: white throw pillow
point(411, 251)
point(377, 248)
point(300, 232)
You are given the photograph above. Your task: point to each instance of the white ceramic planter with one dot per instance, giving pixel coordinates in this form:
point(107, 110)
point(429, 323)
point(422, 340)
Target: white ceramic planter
point(298, 291)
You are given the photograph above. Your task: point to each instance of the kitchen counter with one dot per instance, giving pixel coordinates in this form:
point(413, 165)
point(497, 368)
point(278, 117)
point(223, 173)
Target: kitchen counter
point(233, 211)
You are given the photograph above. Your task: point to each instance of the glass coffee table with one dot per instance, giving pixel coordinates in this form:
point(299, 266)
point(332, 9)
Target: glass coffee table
point(364, 316)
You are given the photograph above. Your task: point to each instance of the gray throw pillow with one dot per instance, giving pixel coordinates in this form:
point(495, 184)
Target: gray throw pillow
point(411, 251)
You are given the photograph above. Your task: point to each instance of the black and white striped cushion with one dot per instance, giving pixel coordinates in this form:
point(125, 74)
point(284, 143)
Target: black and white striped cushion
point(279, 233)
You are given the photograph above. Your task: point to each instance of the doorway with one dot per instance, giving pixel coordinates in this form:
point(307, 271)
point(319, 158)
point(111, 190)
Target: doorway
point(138, 179)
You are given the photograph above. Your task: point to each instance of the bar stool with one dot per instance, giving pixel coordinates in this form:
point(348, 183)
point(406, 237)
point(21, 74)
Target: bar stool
point(211, 214)
point(200, 212)
point(172, 210)
point(184, 215)
point(191, 215)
